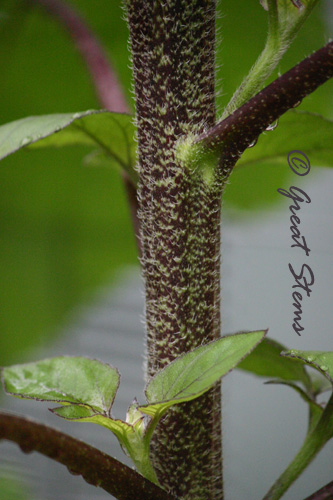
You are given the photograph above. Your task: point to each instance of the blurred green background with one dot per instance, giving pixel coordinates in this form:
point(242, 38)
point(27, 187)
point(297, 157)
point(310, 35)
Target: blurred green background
point(65, 228)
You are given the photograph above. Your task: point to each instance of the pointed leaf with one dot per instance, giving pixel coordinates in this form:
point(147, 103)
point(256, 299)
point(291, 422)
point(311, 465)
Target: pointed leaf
point(74, 412)
point(314, 135)
point(265, 360)
point(65, 380)
point(192, 374)
point(320, 360)
point(112, 133)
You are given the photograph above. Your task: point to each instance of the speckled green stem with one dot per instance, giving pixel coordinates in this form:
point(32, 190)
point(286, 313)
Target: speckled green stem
point(172, 47)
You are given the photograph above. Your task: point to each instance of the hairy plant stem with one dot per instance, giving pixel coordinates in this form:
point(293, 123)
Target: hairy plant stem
point(314, 442)
point(172, 45)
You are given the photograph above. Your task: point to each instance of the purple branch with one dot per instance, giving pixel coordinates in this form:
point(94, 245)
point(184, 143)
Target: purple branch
point(234, 134)
point(325, 493)
point(94, 466)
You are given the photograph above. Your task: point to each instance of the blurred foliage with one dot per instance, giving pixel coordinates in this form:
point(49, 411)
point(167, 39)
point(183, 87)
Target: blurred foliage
point(65, 228)
point(13, 488)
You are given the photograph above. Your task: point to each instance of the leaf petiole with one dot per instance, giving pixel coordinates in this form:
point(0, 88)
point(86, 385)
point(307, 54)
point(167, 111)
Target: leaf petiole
point(314, 442)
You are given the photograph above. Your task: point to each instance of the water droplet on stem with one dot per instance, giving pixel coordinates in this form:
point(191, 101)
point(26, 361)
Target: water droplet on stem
point(272, 126)
point(253, 143)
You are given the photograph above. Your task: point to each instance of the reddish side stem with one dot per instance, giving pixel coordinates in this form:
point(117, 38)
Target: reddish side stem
point(234, 134)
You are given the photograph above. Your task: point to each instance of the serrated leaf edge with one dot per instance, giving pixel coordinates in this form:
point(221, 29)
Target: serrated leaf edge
point(291, 355)
point(66, 402)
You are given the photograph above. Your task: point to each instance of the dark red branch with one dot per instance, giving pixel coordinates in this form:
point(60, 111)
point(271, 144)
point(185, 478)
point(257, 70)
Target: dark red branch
point(95, 467)
point(325, 493)
point(234, 134)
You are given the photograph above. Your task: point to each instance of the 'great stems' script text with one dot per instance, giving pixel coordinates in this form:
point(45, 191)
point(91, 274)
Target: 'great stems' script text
point(304, 278)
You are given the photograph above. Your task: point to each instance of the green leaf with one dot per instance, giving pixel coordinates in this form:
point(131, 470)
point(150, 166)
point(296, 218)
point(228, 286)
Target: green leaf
point(74, 412)
point(192, 374)
point(315, 410)
point(320, 360)
point(266, 361)
point(314, 135)
point(112, 133)
point(67, 380)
